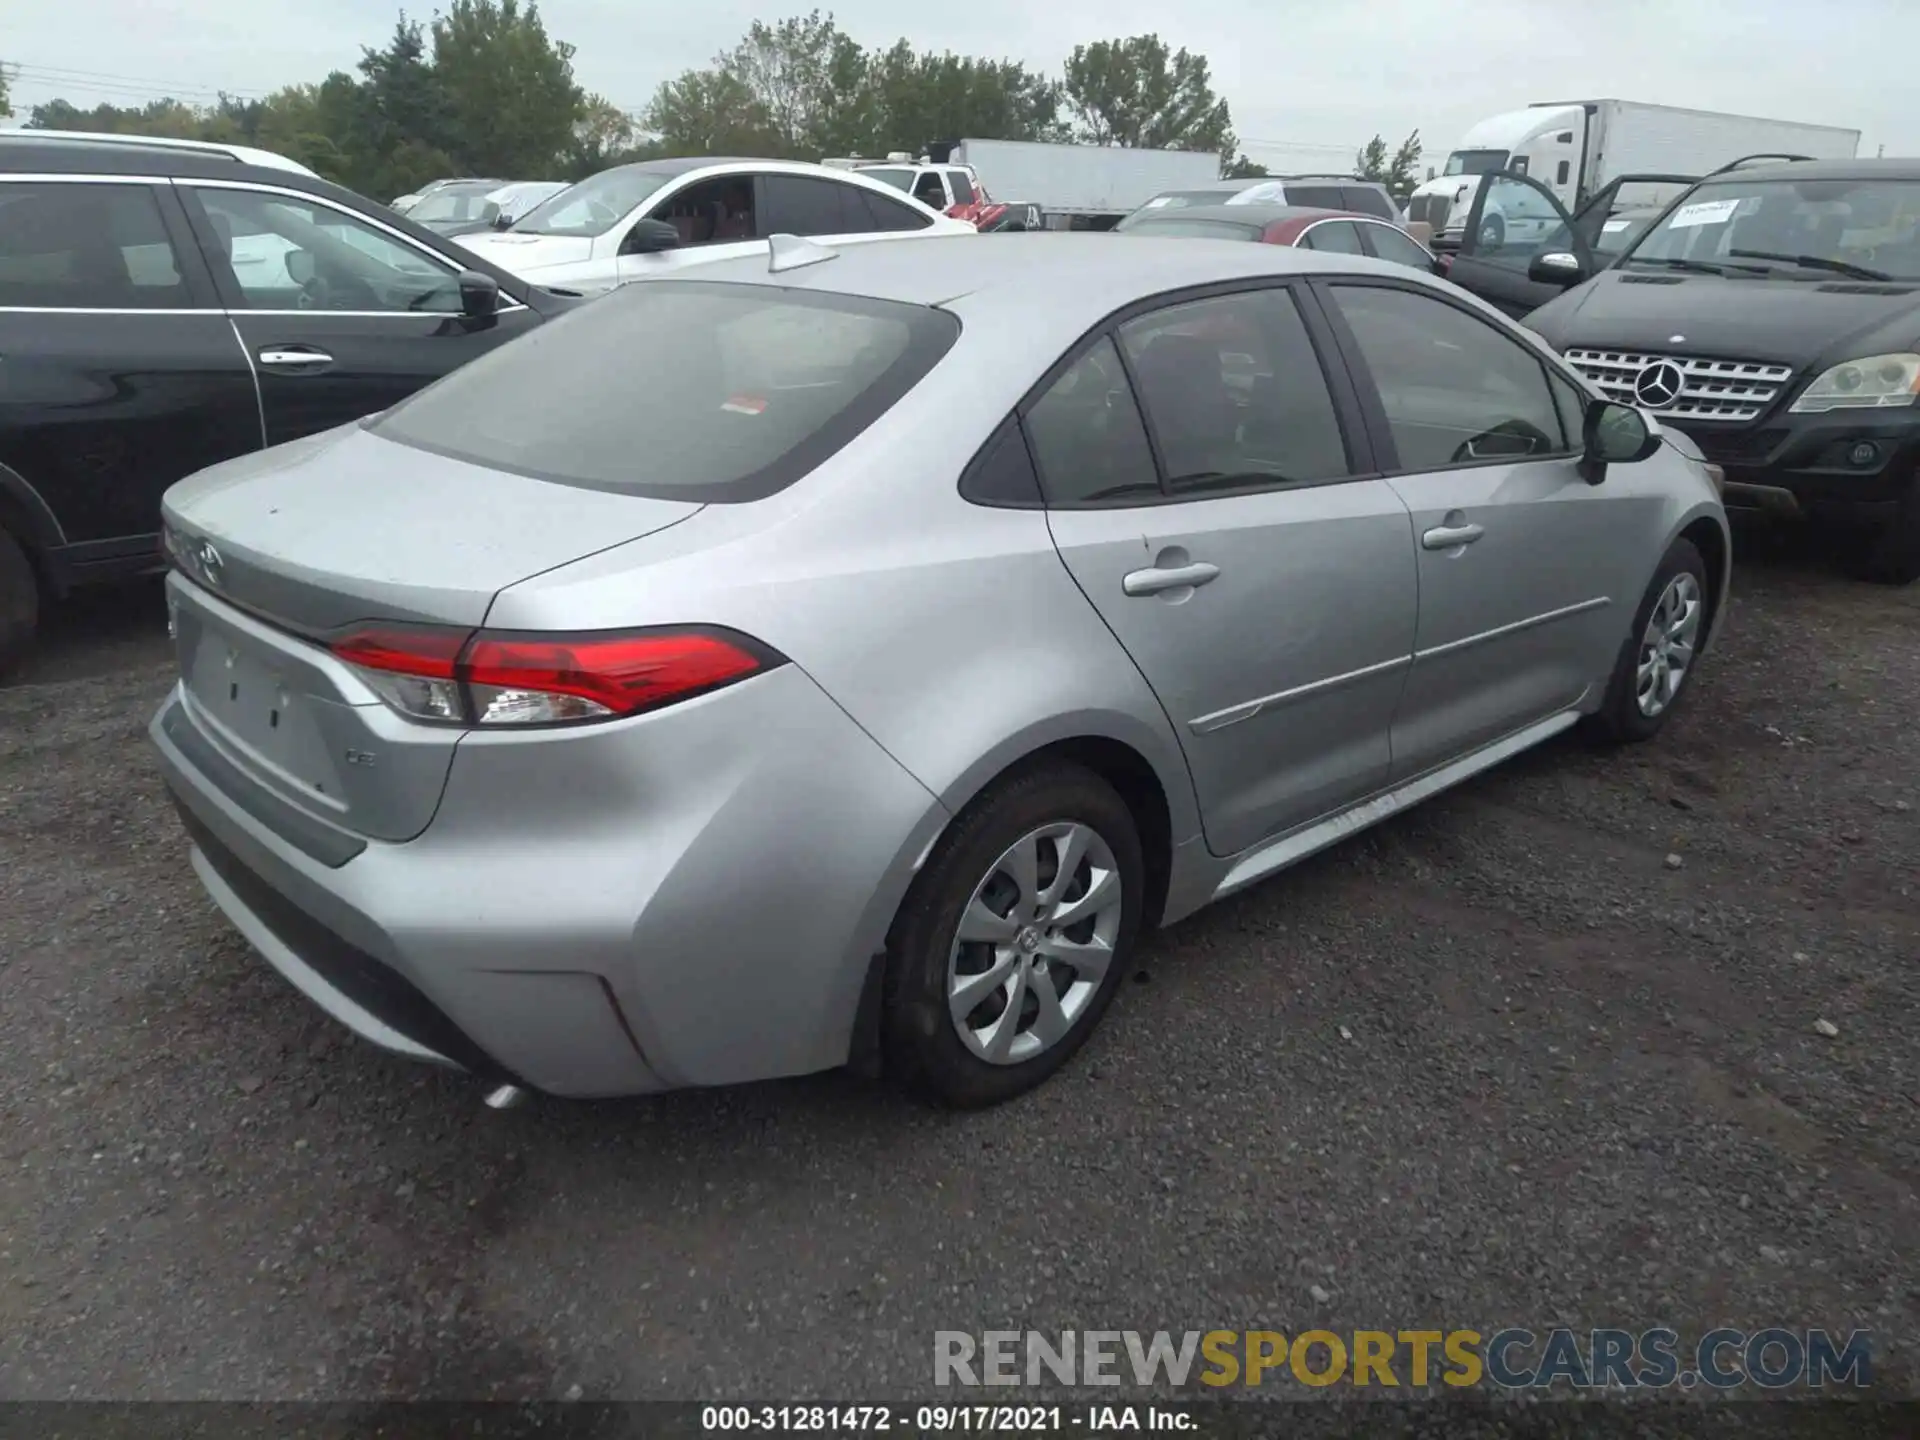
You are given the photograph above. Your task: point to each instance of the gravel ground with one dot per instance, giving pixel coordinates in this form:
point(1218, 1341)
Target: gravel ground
point(1500, 1061)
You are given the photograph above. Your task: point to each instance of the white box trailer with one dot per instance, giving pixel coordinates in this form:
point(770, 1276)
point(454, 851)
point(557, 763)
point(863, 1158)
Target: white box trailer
point(1081, 182)
point(1577, 147)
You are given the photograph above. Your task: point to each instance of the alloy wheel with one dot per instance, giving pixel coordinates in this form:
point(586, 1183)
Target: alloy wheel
point(1668, 644)
point(1034, 943)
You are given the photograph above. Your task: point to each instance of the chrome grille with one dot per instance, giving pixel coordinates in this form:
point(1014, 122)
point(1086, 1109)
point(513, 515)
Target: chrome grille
point(1733, 391)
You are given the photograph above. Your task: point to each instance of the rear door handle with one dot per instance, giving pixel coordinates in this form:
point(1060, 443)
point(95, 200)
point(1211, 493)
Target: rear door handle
point(1447, 537)
point(284, 357)
point(1153, 582)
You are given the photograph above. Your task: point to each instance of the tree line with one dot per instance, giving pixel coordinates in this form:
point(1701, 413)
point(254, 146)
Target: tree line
point(483, 89)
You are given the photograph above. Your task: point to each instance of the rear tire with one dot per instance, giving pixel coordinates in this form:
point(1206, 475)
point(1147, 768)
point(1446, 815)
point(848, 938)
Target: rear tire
point(1888, 554)
point(1668, 627)
point(977, 1021)
point(19, 602)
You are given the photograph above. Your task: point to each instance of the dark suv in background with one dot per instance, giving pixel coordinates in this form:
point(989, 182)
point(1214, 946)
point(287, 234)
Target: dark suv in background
point(163, 308)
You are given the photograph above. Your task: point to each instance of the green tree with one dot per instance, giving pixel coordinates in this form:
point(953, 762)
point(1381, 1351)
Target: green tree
point(602, 135)
point(709, 112)
point(398, 127)
point(912, 99)
point(1136, 92)
point(807, 77)
point(1398, 172)
point(6, 77)
point(1241, 168)
point(510, 102)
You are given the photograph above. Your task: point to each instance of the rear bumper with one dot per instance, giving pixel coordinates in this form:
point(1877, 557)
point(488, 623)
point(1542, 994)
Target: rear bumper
point(687, 898)
point(1842, 466)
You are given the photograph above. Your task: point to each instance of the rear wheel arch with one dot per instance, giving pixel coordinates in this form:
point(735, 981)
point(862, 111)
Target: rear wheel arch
point(1131, 775)
point(31, 522)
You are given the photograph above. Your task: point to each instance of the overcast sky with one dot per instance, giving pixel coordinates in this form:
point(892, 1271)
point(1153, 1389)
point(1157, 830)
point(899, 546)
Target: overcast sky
point(1309, 80)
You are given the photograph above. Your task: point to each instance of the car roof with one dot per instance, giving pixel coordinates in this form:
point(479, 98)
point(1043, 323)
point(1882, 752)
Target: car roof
point(68, 144)
point(1055, 284)
point(1262, 214)
point(1875, 169)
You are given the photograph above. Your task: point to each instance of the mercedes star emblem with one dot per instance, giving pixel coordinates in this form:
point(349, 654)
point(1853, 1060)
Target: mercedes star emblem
point(1659, 385)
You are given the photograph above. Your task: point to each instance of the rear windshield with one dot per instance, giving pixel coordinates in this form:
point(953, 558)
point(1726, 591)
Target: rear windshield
point(1195, 229)
point(680, 390)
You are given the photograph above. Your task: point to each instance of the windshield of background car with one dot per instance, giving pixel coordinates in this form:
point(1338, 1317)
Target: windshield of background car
point(1195, 229)
point(451, 204)
point(1475, 162)
point(1801, 229)
point(592, 207)
point(731, 393)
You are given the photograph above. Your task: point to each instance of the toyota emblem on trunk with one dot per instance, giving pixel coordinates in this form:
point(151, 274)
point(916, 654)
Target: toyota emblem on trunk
point(207, 561)
point(1659, 385)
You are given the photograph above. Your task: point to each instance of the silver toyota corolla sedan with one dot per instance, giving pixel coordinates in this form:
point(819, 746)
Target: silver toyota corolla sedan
point(841, 657)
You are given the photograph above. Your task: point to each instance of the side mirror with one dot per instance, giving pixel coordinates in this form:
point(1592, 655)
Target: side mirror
point(1556, 267)
point(650, 237)
point(491, 213)
point(479, 295)
point(1614, 435)
point(300, 269)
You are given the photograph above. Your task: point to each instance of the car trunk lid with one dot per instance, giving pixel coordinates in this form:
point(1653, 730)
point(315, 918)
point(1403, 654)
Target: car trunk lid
point(278, 551)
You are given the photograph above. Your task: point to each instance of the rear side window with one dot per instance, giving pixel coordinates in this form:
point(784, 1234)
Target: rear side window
point(1315, 197)
point(1365, 200)
point(1339, 236)
point(680, 389)
point(1390, 243)
point(86, 247)
point(1235, 393)
point(797, 205)
point(884, 213)
point(1087, 436)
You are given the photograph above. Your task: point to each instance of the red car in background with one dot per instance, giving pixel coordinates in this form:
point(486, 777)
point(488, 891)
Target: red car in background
point(1341, 231)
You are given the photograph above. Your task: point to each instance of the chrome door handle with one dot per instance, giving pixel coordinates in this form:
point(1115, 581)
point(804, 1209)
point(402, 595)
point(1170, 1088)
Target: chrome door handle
point(1446, 537)
point(290, 355)
point(1152, 582)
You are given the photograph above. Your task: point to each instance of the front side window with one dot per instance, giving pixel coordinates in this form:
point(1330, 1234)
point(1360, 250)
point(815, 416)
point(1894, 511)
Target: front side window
point(929, 191)
point(742, 390)
point(594, 206)
point(1518, 220)
point(712, 212)
point(1088, 441)
point(86, 247)
point(1235, 393)
point(1391, 243)
point(1455, 390)
point(287, 252)
point(1787, 229)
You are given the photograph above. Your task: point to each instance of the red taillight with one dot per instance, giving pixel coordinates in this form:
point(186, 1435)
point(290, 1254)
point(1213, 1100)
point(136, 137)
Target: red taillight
point(507, 678)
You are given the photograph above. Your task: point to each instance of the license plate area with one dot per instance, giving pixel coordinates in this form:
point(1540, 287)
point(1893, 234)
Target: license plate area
point(258, 706)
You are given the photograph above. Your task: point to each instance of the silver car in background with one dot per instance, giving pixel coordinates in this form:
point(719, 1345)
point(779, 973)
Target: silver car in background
point(843, 655)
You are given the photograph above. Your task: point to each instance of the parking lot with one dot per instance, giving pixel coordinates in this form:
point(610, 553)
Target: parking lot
point(1543, 1051)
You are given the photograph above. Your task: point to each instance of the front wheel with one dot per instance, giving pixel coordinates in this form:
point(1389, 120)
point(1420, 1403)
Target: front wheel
point(1493, 232)
point(1661, 651)
point(1013, 939)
